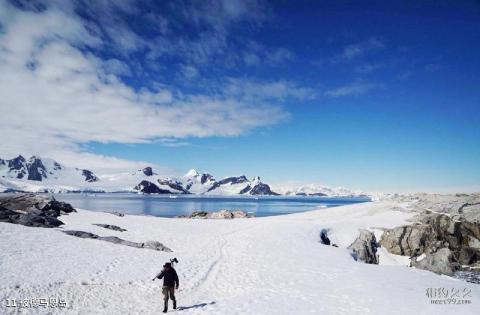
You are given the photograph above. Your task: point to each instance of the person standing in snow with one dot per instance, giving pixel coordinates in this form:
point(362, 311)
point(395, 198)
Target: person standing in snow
point(170, 283)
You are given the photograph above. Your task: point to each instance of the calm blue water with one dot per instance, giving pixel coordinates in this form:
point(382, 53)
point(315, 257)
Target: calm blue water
point(164, 206)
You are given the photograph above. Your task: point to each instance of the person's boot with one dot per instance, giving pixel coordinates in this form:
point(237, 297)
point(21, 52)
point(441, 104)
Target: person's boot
point(165, 308)
point(174, 304)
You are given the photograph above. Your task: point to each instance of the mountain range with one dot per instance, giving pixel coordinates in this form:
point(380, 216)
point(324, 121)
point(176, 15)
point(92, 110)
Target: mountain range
point(37, 174)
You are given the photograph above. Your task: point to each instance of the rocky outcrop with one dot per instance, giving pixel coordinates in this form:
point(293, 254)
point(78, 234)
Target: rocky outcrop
point(364, 248)
point(442, 262)
point(229, 180)
point(32, 210)
point(89, 176)
point(118, 214)
point(206, 177)
point(147, 187)
point(148, 171)
point(174, 185)
point(110, 227)
point(324, 237)
point(36, 170)
point(262, 189)
point(437, 242)
point(17, 165)
point(406, 240)
point(222, 214)
point(116, 240)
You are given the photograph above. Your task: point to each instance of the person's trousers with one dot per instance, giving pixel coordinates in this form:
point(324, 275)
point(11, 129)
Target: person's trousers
point(168, 292)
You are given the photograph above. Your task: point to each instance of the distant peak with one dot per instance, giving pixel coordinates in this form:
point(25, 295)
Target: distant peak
point(148, 171)
point(19, 157)
point(191, 173)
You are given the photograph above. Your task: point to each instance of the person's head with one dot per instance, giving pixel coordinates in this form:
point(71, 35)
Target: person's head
point(167, 266)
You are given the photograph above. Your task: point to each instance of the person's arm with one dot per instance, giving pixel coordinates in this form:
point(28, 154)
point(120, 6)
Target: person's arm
point(177, 282)
point(159, 276)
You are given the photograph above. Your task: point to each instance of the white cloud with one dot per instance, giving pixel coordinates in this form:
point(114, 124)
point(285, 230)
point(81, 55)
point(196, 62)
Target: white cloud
point(56, 96)
point(275, 90)
point(356, 50)
point(116, 67)
point(189, 72)
point(355, 88)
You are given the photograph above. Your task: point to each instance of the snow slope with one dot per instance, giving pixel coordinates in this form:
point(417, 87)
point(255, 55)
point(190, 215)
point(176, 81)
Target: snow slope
point(270, 265)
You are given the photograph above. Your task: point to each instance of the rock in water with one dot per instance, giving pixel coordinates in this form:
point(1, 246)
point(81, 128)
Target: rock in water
point(365, 247)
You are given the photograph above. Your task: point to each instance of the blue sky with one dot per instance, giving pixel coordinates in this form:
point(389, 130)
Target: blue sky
point(381, 95)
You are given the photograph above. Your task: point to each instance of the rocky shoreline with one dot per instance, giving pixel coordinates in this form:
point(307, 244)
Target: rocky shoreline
point(444, 236)
point(221, 214)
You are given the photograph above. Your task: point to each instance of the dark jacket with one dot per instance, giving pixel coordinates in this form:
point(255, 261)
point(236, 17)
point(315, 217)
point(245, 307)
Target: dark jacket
point(170, 277)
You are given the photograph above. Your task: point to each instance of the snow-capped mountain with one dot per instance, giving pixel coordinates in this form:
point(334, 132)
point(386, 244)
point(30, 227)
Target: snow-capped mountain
point(204, 184)
point(37, 174)
point(316, 190)
point(46, 175)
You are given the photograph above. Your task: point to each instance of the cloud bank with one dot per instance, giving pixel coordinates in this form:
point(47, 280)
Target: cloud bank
point(59, 93)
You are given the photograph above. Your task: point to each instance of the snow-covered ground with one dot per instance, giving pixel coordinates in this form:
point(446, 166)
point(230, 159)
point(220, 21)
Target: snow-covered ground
point(270, 265)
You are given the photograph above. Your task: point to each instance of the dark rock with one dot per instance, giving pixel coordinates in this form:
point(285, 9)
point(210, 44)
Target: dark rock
point(364, 248)
point(156, 246)
point(110, 227)
point(469, 276)
point(262, 189)
point(18, 165)
point(89, 176)
point(205, 177)
point(116, 240)
point(118, 214)
point(229, 180)
point(176, 186)
point(148, 171)
point(221, 214)
point(147, 187)
point(324, 238)
point(32, 210)
point(245, 190)
point(56, 208)
point(36, 170)
point(35, 220)
point(81, 234)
